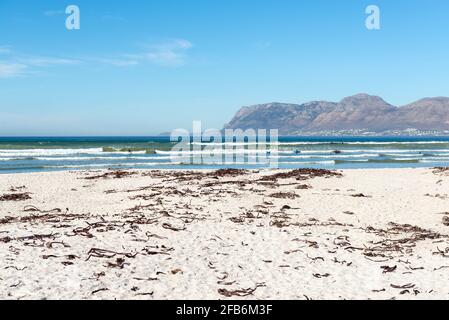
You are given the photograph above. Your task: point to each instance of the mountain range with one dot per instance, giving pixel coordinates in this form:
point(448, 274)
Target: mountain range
point(360, 113)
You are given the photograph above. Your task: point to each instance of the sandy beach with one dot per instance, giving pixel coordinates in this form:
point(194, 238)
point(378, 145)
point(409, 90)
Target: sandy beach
point(228, 234)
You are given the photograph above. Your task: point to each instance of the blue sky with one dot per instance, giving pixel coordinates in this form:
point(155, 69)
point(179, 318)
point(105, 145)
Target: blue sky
point(144, 67)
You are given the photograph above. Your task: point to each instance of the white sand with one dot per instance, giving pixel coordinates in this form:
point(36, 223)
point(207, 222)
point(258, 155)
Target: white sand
point(231, 238)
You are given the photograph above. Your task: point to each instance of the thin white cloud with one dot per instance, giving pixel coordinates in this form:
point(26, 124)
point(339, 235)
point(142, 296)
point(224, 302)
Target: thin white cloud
point(117, 62)
point(47, 61)
point(8, 70)
point(171, 53)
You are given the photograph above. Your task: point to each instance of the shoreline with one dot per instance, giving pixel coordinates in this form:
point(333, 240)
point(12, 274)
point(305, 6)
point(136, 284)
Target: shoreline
point(227, 234)
point(257, 170)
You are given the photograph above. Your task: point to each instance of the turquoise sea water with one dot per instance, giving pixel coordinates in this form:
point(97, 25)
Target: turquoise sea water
point(63, 153)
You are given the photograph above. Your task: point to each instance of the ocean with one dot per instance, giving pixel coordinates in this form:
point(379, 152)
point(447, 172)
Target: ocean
point(36, 154)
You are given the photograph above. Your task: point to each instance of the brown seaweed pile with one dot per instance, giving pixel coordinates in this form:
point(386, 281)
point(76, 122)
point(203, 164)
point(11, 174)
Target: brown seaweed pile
point(15, 197)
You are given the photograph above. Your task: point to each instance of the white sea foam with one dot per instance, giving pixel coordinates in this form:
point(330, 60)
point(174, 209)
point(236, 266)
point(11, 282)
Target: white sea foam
point(106, 165)
point(218, 151)
point(47, 152)
point(299, 143)
point(59, 152)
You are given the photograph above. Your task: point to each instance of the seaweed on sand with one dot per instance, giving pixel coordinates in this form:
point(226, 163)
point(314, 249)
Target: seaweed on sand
point(228, 173)
point(103, 253)
point(284, 195)
point(410, 235)
point(300, 174)
point(239, 292)
point(47, 216)
point(15, 197)
point(440, 170)
point(113, 174)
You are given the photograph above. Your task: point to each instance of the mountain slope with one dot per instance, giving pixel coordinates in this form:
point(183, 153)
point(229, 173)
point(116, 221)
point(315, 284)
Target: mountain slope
point(358, 112)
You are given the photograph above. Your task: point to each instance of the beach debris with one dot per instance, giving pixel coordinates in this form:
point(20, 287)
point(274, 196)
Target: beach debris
point(145, 293)
point(303, 187)
point(398, 239)
point(446, 221)
point(284, 195)
point(439, 196)
point(17, 284)
point(51, 244)
point(440, 268)
point(405, 286)
point(114, 174)
point(170, 227)
point(438, 170)
point(6, 239)
point(157, 250)
point(176, 271)
point(444, 253)
point(240, 219)
point(103, 253)
point(146, 279)
point(16, 189)
point(360, 195)
point(15, 197)
point(119, 263)
point(145, 197)
point(300, 174)
point(31, 208)
point(99, 290)
point(240, 292)
point(171, 206)
point(15, 268)
point(229, 172)
point(388, 269)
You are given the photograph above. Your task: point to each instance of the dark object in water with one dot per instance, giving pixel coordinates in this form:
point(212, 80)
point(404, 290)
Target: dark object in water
point(15, 197)
point(337, 152)
point(297, 151)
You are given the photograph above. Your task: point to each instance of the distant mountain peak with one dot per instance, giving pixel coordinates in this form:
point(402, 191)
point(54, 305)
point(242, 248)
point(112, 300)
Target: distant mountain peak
point(356, 112)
